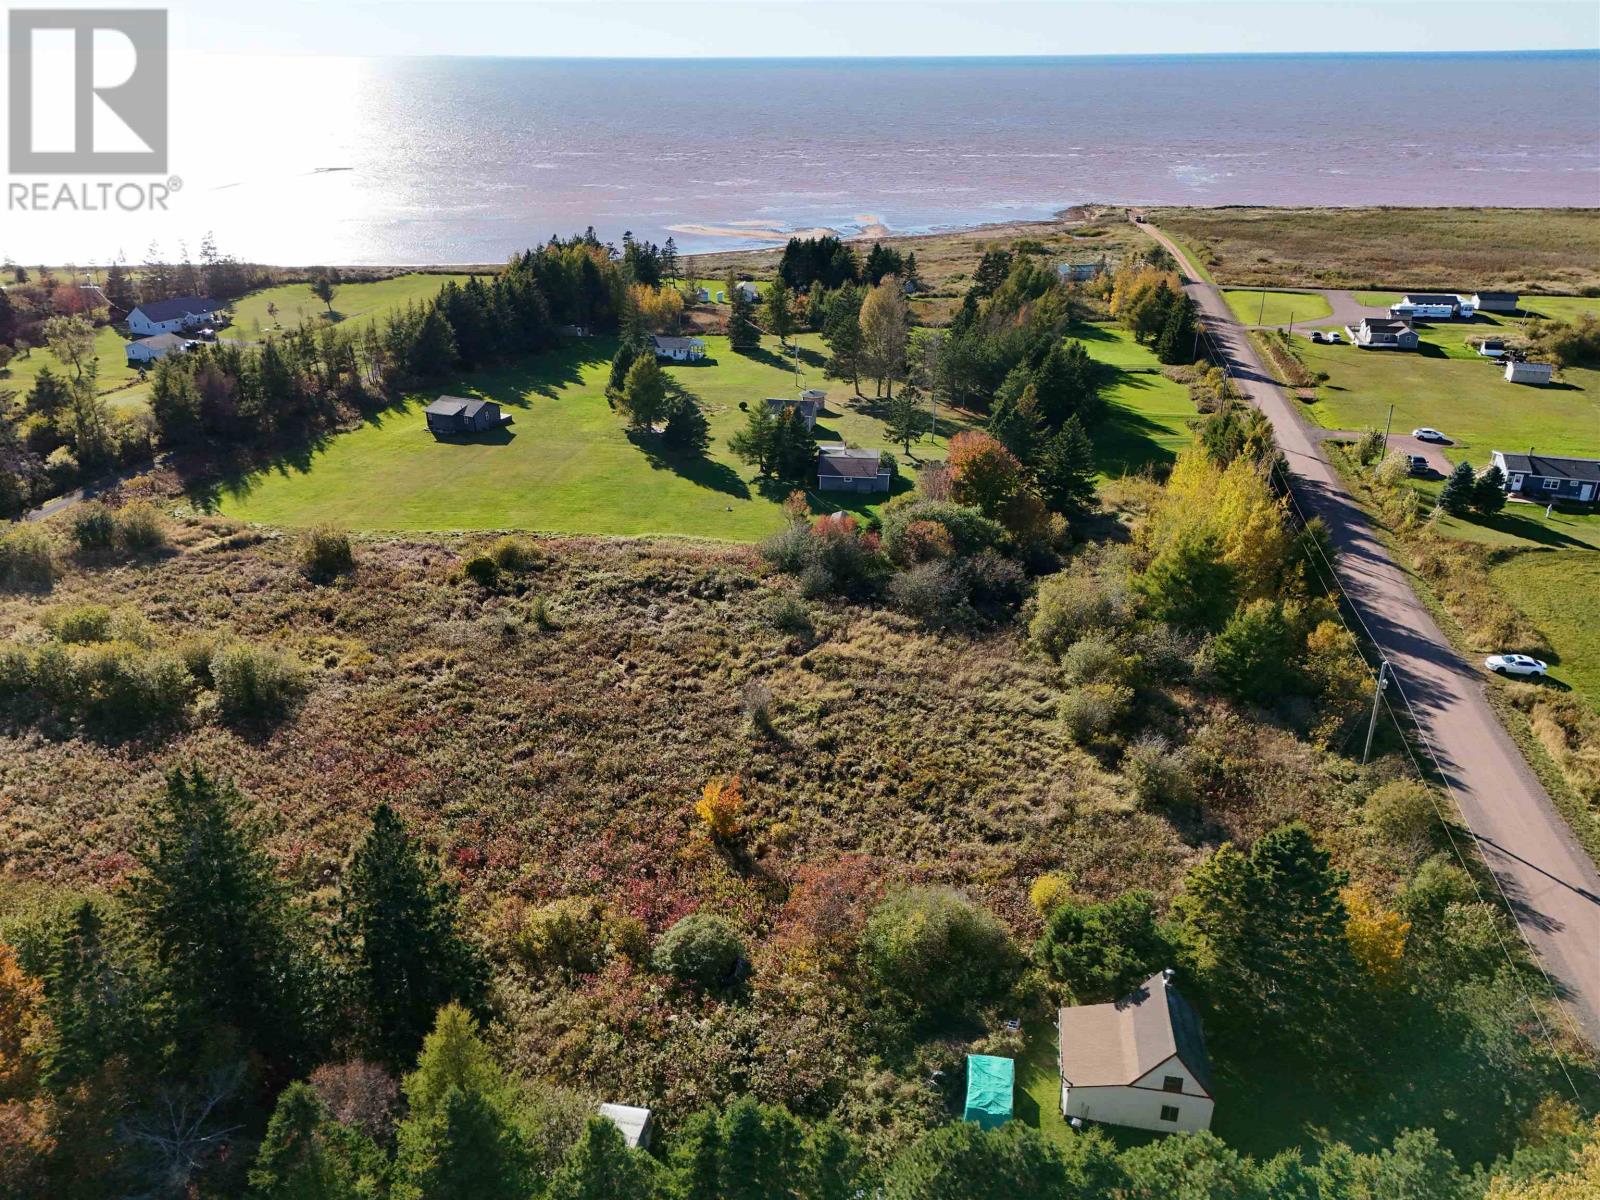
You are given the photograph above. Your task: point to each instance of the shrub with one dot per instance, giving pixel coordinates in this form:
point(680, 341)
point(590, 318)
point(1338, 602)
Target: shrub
point(482, 570)
point(934, 593)
point(831, 557)
point(1093, 710)
point(26, 560)
point(1254, 654)
point(1048, 891)
point(140, 528)
point(1393, 471)
point(995, 583)
point(1093, 659)
point(1159, 774)
point(907, 537)
point(923, 541)
point(937, 951)
point(1100, 951)
point(568, 934)
point(325, 552)
point(124, 688)
point(788, 613)
point(720, 807)
point(253, 683)
point(80, 623)
point(1071, 604)
point(755, 701)
point(1403, 815)
point(196, 652)
point(1369, 447)
point(514, 554)
point(93, 527)
point(703, 948)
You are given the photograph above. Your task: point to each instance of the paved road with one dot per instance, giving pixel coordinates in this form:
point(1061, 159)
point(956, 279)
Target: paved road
point(1551, 882)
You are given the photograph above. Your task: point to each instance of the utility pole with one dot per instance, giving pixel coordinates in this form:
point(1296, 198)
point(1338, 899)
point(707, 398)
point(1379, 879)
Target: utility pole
point(1388, 421)
point(1377, 699)
point(1261, 317)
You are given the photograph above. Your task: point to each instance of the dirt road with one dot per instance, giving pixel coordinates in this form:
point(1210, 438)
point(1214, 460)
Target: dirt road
point(1551, 882)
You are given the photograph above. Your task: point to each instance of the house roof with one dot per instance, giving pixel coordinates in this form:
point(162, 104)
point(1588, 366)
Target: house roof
point(1583, 470)
point(456, 406)
point(1115, 1044)
point(674, 343)
point(776, 404)
point(161, 341)
point(634, 1122)
point(178, 306)
point(1431, 298)
point(848, 464)
point(1497, 295)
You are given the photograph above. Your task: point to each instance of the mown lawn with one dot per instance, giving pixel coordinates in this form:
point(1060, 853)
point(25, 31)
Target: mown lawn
point(568, 463)
point(1559, 589)
point(1147, 414)
point(352, 301)
point(1255, 307)
point(110, 353)
point(1378, 299)
point(1451, 388)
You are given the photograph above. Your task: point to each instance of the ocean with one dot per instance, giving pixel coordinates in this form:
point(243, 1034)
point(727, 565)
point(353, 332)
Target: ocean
point(455, 160)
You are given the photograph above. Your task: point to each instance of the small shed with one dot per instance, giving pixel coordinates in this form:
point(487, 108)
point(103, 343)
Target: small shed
point(841, 469)
point(454, 415)
point(990, 1082)
point(1529, 372)
point(808, 407)
point(702, 295)
point(635, 1123)
point(1496, 301)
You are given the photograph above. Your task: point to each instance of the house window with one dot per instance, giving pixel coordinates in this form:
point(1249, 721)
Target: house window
point(1169, 1112)
point(1551, 485)
point(1172, 1083)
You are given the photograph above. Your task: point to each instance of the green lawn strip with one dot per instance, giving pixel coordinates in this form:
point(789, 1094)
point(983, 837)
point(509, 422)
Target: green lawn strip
point(1451, 388)
point(567, 464)
point(351, 302)
point(1377, 299)
point(1559, 590)
point(1195, 260)
point(110, 352)
point(1037, 1101)
point(1147, 415)
point(1560, 308)
point(1252, 306)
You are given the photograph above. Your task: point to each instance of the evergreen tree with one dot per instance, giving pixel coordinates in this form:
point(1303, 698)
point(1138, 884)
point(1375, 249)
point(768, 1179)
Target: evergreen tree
point(1254, 654)
point(1016, 422)
point(756, 444)
point(761, 1151)
point(743, 332)
point(881, 261)
point(687, 430)
point(779, 311)
point(307, 1155)
point(913, 280)
point(215, 916)
point(1266, 929)
point(1188, 583)
point(1489, 492)
point(907, 418)
point(696, 1158)
point(602, 1167)
point(961, 1160)
point(93, 1006)
point(841, 331)
point(119, 290)
point(991, 273)
point(621, 363)
point(1459, 490)
point(1067, 386)
point(1065, 470)
point(644, 393)
point(1100, 951)
point(794, 448)
point(669, 260)
point(1176, 342)
point(50, 394)
point(432, 351)
point(403, 952)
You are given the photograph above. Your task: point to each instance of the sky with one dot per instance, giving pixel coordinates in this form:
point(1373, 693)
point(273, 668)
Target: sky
point(767, 28)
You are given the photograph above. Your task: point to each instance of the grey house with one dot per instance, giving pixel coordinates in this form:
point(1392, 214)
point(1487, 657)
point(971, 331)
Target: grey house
point(455, 415)
point(1543, 479)
point(1496, 301)
point(840, 469)
point(1381, 333)
point(808, 407)
point(677, 349)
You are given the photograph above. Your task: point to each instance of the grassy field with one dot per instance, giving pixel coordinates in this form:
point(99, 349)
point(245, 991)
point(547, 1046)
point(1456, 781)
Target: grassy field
point(1280, 308)
point(114, 371)
point(1147, 414)
point(1378, 299)
point(1559, 590)
point(353, 301)
point(567, 464)
point(1555, 250)
point(1451, 388)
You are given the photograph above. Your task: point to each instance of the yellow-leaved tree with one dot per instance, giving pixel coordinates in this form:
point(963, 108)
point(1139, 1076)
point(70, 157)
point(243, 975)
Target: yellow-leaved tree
point(720, 807)
point(1233, 504)
point(21, 997)
point(1377, 935)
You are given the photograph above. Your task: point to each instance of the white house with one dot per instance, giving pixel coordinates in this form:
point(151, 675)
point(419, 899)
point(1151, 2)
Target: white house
point(678, 349)
point(172, 316)
point(1139, 1062)
point(635, 1123)
point(1529, 372)
point(1438, 306)
point(748, 290)
point(1079, 272)
point(153, 349)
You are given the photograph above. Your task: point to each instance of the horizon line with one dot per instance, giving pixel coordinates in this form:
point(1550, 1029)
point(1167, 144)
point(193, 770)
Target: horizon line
point(1591, 51)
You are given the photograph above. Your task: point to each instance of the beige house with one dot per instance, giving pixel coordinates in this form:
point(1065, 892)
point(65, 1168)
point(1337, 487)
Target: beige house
point(1139, 1062)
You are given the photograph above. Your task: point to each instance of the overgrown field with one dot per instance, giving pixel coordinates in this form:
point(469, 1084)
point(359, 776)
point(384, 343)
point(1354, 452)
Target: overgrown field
point(1548, 250)
point(292, 303)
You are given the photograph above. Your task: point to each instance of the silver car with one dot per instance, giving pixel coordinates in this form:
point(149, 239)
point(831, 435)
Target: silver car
point(1515, 664)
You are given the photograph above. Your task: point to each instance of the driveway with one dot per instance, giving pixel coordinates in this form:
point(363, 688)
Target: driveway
point(1549, 880)
point(1346, 311)
point(1404, 443)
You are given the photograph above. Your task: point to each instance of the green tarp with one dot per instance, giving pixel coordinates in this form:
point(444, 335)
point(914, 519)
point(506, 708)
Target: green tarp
point(989, 1084)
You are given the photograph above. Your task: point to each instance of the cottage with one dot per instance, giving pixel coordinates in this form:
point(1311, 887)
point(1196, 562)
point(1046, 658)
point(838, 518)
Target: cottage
point(748, 290)
point(154, 349)
point(1507, 302)
point(1538, 477)
point(172, 316)
point(1438, 306)
point(636, 1124)
point(454, 415)
point(1139, 1062)
point(678, 349)
point(1378, 333)
point(1538, 374)
point(841, 469)
point(1079, 272)
point(808, 407)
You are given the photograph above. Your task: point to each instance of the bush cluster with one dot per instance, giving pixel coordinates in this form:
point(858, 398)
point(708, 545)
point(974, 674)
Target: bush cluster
point(325, 553)
point(133, 529)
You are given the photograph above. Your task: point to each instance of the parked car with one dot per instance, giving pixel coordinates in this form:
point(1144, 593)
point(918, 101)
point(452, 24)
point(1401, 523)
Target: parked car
point(1515, 664)
point(1426, 434)
point(1336, 338)
point(1318, 336)
point(1417, 464)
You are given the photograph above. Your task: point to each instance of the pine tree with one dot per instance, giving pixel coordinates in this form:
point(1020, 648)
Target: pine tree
point(761, 1150)
point(621, 363)
point(398, 932)
point(1459, 491)
point(756, 443)
point(92, 1006)
point(1067, 387)
point(907, 418)
point(696, 1158)
point(743, 332)
point(1188, 583)
point(307, 1155)
point(1016, 422)
point(644, 393)
point(842, 333)
point(119, 290)
point(432, 351)
point(214, 914)
point(779, 311)
point(1065, 469)
point(1489, 493)
point(602, 1167)
point(794, 448)
point(687, 430)
point(1176, 342)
